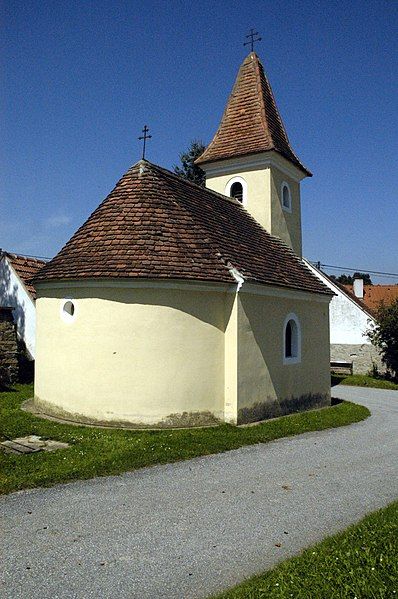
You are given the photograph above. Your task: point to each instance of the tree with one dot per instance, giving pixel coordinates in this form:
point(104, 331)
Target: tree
point(349, 279)
point(188, 169)
point(384, 335)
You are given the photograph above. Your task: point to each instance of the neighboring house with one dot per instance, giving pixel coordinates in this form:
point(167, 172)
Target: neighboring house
point(174, 305)
point(17, 292)
point(373, 295)
point(350, 318)
point(8, 347)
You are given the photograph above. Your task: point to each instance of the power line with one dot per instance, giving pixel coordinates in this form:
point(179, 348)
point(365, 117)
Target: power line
point(364, 270)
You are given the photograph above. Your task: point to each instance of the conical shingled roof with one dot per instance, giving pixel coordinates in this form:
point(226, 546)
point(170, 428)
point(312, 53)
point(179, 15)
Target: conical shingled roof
point(157, 225)
point(251, 122)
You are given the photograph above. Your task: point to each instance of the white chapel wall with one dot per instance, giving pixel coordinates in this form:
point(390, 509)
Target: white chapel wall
point(14, 294)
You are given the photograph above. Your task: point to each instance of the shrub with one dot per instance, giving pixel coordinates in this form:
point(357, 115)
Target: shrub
point(384, 335)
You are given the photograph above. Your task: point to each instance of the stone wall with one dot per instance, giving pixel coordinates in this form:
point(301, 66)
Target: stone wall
point(362, 355)
point(8, 347)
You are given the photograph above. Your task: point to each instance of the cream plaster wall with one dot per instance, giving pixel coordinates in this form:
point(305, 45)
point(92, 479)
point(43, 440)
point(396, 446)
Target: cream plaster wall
point(286, 225)
point(131, 355)
point(231, 358)
point(262, 375)
point(258, 192)
point(264, 183)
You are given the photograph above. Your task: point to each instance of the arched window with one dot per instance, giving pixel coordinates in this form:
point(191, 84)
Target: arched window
point(291, 340)
point(286, 197)
point(288, 339)
point(237, 191)
point(237, 188)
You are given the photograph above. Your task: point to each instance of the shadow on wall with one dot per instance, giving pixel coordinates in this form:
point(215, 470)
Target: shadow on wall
point(9, 298)
point(289, 390)
point(210, 307)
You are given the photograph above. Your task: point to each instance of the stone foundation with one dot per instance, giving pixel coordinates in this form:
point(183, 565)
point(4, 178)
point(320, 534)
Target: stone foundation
point(8, 348)
point(363, 356)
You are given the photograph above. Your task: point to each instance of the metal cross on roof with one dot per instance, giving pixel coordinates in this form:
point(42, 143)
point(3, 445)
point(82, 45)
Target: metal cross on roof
point(252, 41)
point(144, 137)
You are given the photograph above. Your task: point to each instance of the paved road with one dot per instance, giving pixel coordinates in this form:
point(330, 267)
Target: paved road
point(190, 529)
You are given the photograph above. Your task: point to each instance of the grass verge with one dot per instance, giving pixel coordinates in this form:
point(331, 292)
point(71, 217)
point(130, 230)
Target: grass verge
point(360, 563)
point(363, 380)
point(98, 452)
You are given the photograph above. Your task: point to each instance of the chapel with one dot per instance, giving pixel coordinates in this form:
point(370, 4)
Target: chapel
point(175, 305)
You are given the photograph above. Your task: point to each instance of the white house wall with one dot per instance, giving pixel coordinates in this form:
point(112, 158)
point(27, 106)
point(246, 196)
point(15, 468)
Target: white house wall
point(348, 322)
point(14, 294)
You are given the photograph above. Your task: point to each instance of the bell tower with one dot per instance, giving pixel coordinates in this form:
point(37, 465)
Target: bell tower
point(250, 157)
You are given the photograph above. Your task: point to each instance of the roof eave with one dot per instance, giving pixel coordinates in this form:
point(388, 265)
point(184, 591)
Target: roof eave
point(204, 162)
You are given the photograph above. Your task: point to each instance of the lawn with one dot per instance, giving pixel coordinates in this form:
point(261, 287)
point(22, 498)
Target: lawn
point(363, 380)
point(99, 451)
point(360, 563)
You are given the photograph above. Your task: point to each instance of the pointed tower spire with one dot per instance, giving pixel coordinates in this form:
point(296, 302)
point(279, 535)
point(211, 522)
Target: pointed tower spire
point(251, 122)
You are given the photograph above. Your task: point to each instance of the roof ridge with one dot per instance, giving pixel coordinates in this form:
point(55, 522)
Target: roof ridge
point(192, 183)
point(222, 257)
point(24, 257)
point(278, 114)
point(261, 97)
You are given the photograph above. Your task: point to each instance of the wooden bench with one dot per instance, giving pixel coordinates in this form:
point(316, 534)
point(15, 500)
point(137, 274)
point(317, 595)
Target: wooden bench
point(341, 366)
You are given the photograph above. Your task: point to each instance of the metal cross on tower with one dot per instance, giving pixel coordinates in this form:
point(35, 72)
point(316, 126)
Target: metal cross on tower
point(144, 137)
point(252, 41)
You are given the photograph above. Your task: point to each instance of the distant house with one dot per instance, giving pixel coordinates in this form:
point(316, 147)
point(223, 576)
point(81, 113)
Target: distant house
point(373, 295)
point(17, 292)
point(350, 318)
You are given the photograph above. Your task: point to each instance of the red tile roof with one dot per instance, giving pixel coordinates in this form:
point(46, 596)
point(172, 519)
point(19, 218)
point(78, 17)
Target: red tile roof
point(251, 122)
point(26, 268)
point(155, 224)
point(351, 295)
point(373, 295)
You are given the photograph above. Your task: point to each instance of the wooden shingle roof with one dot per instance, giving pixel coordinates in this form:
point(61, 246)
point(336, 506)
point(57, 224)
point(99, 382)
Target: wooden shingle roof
point(155, 224)
point(251, 122)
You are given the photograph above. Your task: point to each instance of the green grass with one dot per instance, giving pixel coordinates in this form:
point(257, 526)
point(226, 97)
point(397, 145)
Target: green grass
point(363, 380)
point(360, 563)
point(98, 452)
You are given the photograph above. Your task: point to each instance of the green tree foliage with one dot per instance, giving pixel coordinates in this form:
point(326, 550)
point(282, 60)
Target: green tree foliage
point(349, 279)
point(188, 169)
point(385, 335)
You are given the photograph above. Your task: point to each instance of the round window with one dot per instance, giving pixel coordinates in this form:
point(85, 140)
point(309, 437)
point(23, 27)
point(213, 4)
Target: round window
point(68, 310)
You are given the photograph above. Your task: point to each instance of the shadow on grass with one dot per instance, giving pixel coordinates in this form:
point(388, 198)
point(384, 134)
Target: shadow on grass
point(335, 401)
point(6, 389)
point(336, 379)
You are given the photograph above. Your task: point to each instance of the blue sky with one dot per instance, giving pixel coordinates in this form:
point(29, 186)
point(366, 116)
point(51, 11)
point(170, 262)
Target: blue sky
point(81, 78)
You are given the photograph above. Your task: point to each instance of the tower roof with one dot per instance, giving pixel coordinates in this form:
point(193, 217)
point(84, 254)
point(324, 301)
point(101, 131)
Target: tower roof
point(155, 224)
point(251, 122)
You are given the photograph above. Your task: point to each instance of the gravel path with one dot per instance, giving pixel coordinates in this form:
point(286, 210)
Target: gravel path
point(193, 528)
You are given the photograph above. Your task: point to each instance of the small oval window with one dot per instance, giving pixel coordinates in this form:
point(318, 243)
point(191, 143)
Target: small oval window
point(68, 310)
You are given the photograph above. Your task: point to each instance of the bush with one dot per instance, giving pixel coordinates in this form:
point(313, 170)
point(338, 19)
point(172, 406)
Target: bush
point(384, 335)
